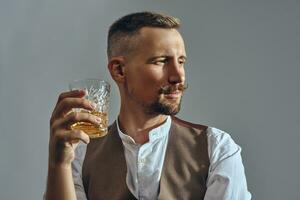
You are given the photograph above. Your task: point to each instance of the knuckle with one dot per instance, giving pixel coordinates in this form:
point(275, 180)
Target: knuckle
point(61, 96)
point(92, 118)
point(51, 121)
point(53, 129)
point(63, 101)
point(75, 116)
point(52, 124)
point(53, 118)
point(88, 103)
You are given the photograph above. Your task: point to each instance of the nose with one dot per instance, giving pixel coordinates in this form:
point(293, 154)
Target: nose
point(176, 73)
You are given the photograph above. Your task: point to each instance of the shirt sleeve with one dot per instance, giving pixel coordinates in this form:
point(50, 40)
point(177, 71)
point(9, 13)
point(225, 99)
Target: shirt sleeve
point(226, 177)
point(77, 171)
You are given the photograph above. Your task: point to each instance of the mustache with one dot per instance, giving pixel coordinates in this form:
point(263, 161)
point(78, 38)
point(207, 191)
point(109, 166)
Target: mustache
point(171, 88)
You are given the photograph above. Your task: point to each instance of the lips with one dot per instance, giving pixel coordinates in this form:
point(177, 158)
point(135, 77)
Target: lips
point(173, 95)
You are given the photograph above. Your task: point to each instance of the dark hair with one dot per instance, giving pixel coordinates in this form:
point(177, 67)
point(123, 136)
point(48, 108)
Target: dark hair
point(122, 30)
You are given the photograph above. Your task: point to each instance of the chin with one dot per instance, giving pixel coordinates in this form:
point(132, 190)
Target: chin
point(165, 107)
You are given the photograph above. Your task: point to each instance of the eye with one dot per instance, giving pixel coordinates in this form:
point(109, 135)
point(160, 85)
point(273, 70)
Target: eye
point(160, 61)
point(181, 61)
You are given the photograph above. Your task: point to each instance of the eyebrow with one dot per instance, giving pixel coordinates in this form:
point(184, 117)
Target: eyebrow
point(165, 56)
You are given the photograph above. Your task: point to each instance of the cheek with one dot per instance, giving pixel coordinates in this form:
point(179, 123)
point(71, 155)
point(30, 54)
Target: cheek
point(151, 78)
point(145, 85)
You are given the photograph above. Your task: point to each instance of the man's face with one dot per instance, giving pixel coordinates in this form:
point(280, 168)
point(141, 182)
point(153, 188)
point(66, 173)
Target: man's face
point(154, 72)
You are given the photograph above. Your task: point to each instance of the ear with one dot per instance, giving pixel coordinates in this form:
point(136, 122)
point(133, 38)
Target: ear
point(117, 69)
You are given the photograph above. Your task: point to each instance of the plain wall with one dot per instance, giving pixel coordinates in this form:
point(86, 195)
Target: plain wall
point(243, 74)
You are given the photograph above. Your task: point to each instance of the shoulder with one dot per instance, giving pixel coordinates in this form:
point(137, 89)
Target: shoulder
point(218, 136)
point(220, 145)
point(214, 135)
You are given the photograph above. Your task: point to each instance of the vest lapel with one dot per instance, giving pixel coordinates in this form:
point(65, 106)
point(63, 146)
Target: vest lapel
point(186, 163)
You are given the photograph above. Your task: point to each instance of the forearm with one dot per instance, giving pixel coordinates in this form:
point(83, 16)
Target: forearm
point(60, 184)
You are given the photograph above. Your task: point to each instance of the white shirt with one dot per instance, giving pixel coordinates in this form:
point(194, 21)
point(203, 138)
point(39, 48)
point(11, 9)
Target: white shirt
point(145, 162)
point(226, 178)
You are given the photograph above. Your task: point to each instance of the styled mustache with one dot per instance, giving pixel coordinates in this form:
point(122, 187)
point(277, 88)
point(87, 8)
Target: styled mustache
point(171, 88)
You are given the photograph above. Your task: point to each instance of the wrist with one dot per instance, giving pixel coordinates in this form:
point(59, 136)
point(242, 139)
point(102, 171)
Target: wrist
point(60, 166)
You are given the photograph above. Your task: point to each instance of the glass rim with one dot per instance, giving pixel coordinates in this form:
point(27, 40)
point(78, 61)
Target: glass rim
point(73, 85)
point(89, 79)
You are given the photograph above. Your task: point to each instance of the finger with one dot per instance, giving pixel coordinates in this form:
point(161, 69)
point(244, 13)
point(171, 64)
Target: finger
point(66, 105)
point(73, 136)
point(66, 122)
point(70, 94)
point(74, 93)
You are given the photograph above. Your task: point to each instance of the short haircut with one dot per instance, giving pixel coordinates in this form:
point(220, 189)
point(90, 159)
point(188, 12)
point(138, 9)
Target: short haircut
point(121, 31)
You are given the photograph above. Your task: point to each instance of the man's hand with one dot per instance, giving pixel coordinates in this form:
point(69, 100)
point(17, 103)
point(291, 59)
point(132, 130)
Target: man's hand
point(63, 140)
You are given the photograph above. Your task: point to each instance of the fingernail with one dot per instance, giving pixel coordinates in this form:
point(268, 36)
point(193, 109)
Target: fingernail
point(93, 105)
point(98, 120)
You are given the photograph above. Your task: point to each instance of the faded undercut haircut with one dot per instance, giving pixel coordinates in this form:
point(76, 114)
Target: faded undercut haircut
point(121, 32)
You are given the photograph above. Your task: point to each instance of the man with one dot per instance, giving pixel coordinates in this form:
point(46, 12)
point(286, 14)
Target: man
point(148, 153)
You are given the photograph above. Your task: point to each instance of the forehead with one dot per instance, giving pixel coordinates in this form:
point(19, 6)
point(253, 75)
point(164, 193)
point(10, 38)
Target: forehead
point(160, 41)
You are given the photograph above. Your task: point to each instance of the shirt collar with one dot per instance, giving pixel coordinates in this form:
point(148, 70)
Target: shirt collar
point(155, 134)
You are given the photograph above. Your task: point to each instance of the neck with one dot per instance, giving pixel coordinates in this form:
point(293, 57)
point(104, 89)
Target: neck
point(137, 124)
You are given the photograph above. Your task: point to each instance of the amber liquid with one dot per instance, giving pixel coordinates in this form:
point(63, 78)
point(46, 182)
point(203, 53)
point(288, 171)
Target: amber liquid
point(93, 130)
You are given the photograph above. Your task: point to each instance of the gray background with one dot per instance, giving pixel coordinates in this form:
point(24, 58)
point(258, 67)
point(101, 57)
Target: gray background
point(243, 68)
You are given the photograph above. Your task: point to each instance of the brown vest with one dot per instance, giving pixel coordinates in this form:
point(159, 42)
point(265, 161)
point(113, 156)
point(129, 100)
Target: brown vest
point(183, 175)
